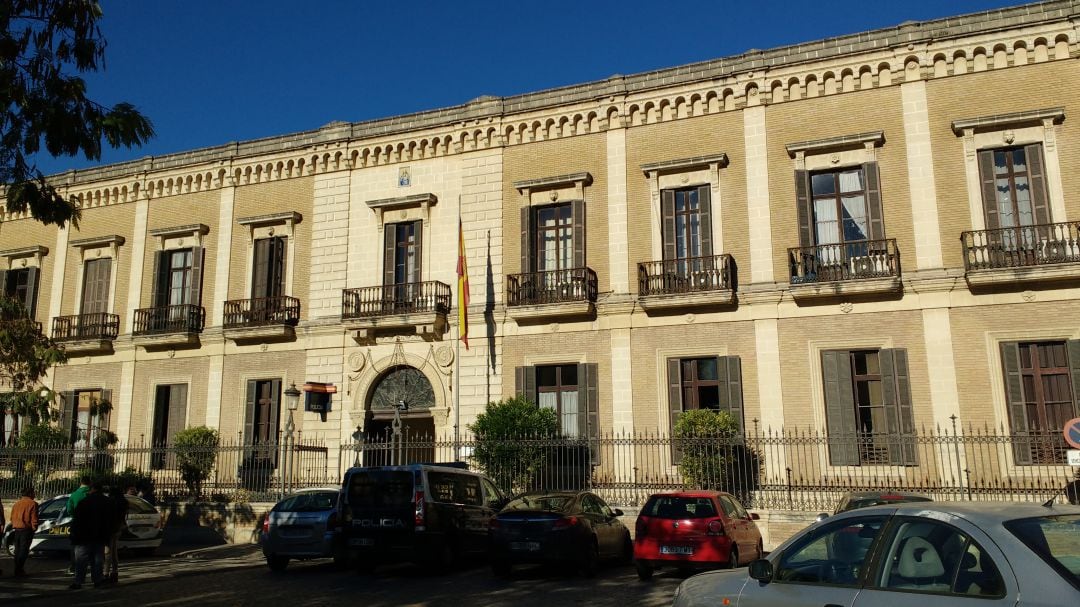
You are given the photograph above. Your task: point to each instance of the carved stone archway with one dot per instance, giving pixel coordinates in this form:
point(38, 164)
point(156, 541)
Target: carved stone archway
point(363, 383)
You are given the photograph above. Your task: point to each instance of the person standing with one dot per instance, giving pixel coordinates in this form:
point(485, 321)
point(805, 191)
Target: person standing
point(24, 522)
point(73, 501)
point(119, 521)
point(90, 531)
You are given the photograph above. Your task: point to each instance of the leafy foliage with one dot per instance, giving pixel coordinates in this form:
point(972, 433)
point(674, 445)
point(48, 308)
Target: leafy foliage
point(503, 448)
point(44, 46)
point(196, 451)
point(42, 435)
point(713, 455)
point(26, 355)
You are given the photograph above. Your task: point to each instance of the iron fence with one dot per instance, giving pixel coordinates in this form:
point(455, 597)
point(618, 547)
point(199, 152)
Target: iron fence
point(1021, 246)
point(794, 469)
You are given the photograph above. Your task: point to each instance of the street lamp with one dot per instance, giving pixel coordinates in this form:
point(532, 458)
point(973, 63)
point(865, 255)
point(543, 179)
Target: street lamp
point(292, 400)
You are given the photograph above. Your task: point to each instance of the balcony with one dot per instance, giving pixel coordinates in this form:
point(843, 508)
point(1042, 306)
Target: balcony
point(261, 318)
point(168, 326)
point(86, 333)
point(867, 267)
point(551, 294)
point(1012, 256)
point(418, 306)
point(686, 283)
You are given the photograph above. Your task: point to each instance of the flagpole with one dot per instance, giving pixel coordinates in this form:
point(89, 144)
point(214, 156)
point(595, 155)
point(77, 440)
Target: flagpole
point(457, 353)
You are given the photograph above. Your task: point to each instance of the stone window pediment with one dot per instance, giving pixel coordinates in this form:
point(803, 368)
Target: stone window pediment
point(179, 237)
point(545, 190)
point(99, 246)
point(25, 257)
point(274, 224)
point(843, 150)
point(422, 201)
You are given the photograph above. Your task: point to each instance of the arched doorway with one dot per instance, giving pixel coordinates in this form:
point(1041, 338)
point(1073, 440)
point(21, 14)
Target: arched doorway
point(406, 391)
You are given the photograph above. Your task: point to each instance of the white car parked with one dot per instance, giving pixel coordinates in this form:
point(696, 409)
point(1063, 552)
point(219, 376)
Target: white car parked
point(142, 534)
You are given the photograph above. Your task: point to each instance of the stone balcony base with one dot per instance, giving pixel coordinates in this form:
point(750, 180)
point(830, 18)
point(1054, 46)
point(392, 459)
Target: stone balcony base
point(88, 346)
point(1003, 277)
point(549, 311)
point(166, 340)
point(260, 333)
point(697, 299)
point(845, 288)
point(430, 325)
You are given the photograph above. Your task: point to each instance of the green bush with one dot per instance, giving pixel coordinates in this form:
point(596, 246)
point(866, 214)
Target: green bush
point(196, 451)
point(42, 435)
point(713, 454)
point(503, 448)
point(129, 477)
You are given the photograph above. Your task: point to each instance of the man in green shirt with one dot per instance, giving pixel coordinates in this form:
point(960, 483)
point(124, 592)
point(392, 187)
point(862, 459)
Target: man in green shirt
point(78, 495)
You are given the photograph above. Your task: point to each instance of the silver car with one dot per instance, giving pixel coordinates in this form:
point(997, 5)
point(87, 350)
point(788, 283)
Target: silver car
point(913, 554)
point(302, 526)
point(142, 533)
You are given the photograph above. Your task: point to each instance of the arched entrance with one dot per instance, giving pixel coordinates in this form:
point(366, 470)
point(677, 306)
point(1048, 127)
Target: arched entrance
point(405, 391)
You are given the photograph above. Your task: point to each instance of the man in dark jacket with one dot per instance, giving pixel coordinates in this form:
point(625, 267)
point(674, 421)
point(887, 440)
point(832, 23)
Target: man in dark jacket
point(90, 531)
point(120, 508)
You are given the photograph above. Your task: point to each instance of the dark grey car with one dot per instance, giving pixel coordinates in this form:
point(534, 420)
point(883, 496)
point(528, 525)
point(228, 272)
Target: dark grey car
point(302, 526)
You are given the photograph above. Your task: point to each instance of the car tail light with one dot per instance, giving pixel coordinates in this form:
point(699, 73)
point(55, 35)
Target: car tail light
point(266, 524)
point(419, 520)
point(714, 528)
point(565, 522)
point(641, 528)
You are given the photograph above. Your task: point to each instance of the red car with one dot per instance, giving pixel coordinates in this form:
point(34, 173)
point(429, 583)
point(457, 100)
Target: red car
point(694, 530)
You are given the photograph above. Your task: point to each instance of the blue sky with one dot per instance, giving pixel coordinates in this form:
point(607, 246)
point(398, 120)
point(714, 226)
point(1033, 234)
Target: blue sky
point(208, 72)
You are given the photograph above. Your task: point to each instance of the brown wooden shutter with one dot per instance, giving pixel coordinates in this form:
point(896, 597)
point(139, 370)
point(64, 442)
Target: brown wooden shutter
point(3, 283)
point(96, 275)
point(525, 383)
point(278, 266)
point(275, 410)
point(667, 213)
point(805, 212)
point(1037, 178)
point(899, 414)
point(178, 397)
point(873, 201)
point(260, 268)
point(1073, 348)
point(526, 240)
point(418, 238)
point(675, 404)
point(67, 414)
point(389, 253)
point(32, 276)
point(729, 372)
point(589, 409)
point(839, 408)
point(705, 220)
point(159, 293)
point(989, 188)
point(249, 421)
point(577, 217)
point(106, 397)
point(195, 297)
point(1016, 402)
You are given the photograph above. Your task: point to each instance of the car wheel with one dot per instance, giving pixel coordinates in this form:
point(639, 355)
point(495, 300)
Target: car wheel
point(277, 563)
point(502, 569)
point(733, 559)
point(590, 559)
point(627, 555)
point(644, 571)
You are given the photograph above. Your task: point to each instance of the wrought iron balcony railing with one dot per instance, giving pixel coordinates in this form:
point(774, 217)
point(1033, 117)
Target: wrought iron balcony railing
point(184, 318)
point(555, 286)
point(687, 275)
point(387, 300)
point(261, 312)
point(844, 261)
point(98, 325)
point(1023, 246)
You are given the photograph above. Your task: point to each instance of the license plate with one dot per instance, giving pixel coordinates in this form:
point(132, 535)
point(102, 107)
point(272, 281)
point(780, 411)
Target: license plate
point(528, 546)
point(676, 550)
point(361, 541)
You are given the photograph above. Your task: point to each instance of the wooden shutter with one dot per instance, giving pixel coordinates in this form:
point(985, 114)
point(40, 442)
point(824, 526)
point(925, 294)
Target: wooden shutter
point(418, 238)
point(667, 214)
point(178, 394)
point(3, 283)
point(839, 408)
point(899, 415)
point(577, 218)
point(989, 188)
point(705, 220)
point(278, 262)
point(31, 292)
point(159, 432)
point(195, 295)
point(675, 404)
point(729, 372)
point(389, 249)
point(873, 201)
point(1073, 348)
point(1037, 178)
point(526, 240)
point(67, 414)
point(249, 413)
point(525, 383)
point(589, 409)
point(260, 268)
point(96, 274)
point(275, 408)
point(160, 290)
point(1016, 402)
point(805, 213)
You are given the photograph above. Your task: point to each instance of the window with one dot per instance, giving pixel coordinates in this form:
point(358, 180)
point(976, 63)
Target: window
point(868, 407)
point(927, 556)
point(1053, 538)
point(713, 382)
point(10, 423)
point(95, 288)
point(1014, 187)
point(88, 417)
point(402, 262)
point(553, 237)
point(268, 267)
point(170, 417)
point(832, 555)
point(178, 277)
point(492, 496)
point(21, 285)
point(571, 391)
point(1038, 379)
point(840, 213)
point(261, 417)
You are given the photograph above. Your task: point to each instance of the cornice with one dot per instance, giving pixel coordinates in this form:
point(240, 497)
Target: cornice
point(836, 143)
point(685, 164)
point(270, 219)
point(557, 181)
point(998, 121)
point(36, 250)
point(98, 241)
point(415, 200)
point(185, 230)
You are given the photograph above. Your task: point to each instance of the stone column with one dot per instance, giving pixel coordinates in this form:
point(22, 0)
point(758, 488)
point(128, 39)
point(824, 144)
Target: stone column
point(920, 170)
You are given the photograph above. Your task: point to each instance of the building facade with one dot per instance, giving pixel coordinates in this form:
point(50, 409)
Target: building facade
point(865, 235)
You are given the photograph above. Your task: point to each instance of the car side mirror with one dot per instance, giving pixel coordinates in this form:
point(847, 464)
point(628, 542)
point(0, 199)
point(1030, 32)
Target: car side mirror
point(820, 517)
point(618, 512)
point(754, 516)
point(761, 570)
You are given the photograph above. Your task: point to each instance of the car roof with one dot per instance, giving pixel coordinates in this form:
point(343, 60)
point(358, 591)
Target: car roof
point(312, 489)
point(863, 494)
point(979, 513)
point(699, 493)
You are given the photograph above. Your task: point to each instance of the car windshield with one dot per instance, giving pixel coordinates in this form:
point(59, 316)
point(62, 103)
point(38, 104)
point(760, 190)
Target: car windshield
point(549, 503)
point(52, 509)
point(139, 506)
point(320, 501)
point(380, 488)
point(675, 507)
point(1054, 538)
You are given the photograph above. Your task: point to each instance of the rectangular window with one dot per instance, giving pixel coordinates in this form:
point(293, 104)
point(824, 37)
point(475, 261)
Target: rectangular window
point(554, 238)
point(87, 419)
point(21, 285)
point(95, 289)
point(569, 390)
point(178, 277)
point(170, 417)
point(868, 407)
point(687, 234)
point(268, 267)
point(557, 389)
point(710, 382)
point(839, 206)
point(179, 282)
point(1039, 388)
point(1014, 193)
point(261, 422)
point(10, 423)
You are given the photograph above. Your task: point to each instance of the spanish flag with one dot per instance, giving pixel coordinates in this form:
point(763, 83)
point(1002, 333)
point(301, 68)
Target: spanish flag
point(463, 288)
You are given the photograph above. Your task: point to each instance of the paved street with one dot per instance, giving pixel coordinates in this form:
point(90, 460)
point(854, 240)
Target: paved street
point(236, 575)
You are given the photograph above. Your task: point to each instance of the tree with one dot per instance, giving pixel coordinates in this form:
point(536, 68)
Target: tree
point(41, 43)
point(507, 442)
point(713, 454)
point(26, 355)
point(196, 451)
